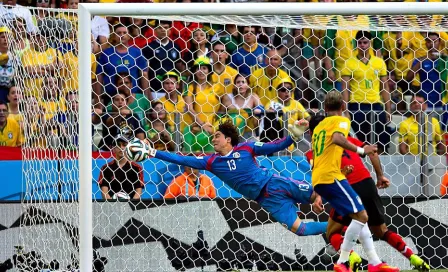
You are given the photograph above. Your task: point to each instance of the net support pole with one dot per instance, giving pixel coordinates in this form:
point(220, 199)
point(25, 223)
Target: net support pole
point(85, 142)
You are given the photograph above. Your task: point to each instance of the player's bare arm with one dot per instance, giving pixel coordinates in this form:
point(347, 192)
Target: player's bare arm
point(382, 181)
point(340, 140)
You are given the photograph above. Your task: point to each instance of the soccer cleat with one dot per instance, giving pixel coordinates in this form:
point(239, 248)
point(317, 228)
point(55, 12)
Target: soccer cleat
point(382, 267)
point(355, 261)
point(342, 267)
point(419, 264)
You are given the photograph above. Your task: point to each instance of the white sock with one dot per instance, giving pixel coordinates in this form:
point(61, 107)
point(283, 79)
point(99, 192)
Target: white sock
point(351, 236)
point(365, 237)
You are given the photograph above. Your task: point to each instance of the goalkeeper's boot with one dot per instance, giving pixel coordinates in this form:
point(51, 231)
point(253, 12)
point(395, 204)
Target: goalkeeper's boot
point(354, 260)
point(419, 264)
point(342, 267)
point(382, 267)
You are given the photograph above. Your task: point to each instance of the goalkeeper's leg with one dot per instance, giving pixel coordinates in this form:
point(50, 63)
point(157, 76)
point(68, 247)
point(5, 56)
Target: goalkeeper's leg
point(280, 197)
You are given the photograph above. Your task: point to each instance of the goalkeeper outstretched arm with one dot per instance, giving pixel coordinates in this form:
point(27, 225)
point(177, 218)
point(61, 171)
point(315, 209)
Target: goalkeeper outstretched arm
point(190, 161)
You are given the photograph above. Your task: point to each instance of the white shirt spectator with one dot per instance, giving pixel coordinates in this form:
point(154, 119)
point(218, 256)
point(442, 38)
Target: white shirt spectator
point(100, 27)
point(19, 11)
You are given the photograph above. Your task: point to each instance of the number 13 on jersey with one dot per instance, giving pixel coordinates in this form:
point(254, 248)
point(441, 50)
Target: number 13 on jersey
point(231, 164)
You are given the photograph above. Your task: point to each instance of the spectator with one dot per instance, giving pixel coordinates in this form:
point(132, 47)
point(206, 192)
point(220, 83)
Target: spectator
point(68, 121)
point(100, 29)
point(19, 39)
point(365, 89)
point(275, 110)
point(52, 100)
point(418, 42)
point(70, 69)
point(163, 55)
point(228, 36)
point(70, 16)
point(400, 57)
point(173, 102)
point(191, 183)
point(264, 80)
point(251, 55)
point(137, 102)
point(242, 98)
point(39, 61)
point(119, 55)
point(181, 34)
point(157, 128)
point(339, 47)
point(9, 129)
point(197, 139)
point(409, 142)
point(121, 175)
point(19, 11)
point(7, 71)
point(431, 71)
point(223, 75)
point(32, 121)
point(13, 105)
point(41, 12)
point(120, 121)
point(199, 48)
point(203, 98)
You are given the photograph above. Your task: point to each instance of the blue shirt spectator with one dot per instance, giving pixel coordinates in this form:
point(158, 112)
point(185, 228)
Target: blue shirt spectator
point(129, 59)
point(251, 55)
point(431, 85)
point(162, 55)
point(111, 62)
point(430, 69)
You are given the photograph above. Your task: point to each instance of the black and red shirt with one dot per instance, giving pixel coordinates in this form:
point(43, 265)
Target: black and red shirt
point(121, 179)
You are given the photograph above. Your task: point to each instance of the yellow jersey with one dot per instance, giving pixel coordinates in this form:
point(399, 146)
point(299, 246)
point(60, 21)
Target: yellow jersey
point(171, 109)
point(400, 66)
point(408, 133)
point(225, 80)
point(295, 108)
point(53, 107)
point(418, 43)
point(31, 57)
point(11, 135)
point(365, 79)
point(70, 74)
point(206, 102)
point(265, 87)
point(296, 112)
point(326, 155)
point(345, 42)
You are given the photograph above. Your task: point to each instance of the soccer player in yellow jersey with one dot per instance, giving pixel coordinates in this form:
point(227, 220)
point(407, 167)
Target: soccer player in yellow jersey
point(328, 142)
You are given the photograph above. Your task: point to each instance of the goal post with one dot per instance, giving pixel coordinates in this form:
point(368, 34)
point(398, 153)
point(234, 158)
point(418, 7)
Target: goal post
point(268, 12)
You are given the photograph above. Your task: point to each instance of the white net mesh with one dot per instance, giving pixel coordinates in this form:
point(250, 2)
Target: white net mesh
point(172, 80)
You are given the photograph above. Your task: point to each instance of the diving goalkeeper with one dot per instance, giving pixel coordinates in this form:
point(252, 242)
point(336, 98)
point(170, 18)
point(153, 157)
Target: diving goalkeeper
point(236, 166)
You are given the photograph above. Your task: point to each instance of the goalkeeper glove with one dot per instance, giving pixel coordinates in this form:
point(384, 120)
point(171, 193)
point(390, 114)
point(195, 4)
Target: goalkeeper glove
point(298, 129)
point(151, 151)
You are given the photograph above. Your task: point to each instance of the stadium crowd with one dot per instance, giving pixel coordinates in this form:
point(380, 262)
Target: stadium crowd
point(174, 82)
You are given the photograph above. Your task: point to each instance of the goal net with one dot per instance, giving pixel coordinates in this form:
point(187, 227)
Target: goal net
point(173, 80)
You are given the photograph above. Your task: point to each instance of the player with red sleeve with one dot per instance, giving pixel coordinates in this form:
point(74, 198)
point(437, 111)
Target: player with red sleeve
point(361, 181)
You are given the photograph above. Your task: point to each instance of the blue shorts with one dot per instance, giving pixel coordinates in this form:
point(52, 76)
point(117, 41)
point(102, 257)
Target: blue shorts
point(280, 197)
point(341, 196)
